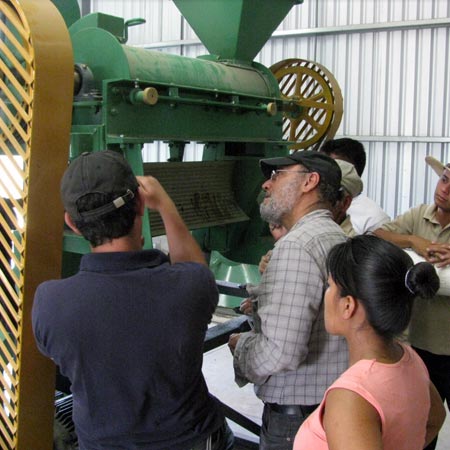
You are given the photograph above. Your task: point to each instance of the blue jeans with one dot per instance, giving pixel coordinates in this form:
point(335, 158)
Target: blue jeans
point(278, 430)
point(221, 439)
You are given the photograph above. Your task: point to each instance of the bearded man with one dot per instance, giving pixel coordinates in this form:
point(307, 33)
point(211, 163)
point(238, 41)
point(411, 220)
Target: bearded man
point(289, 356)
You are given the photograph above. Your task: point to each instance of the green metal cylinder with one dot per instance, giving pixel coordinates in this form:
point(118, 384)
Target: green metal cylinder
point(193, 99)
point(109, 59)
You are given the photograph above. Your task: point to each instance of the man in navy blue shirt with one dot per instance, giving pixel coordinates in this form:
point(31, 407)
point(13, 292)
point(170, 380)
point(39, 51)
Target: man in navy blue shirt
point(128, 328)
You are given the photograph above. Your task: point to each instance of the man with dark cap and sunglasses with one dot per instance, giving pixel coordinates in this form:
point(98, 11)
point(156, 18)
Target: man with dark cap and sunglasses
point(289, 356)
point(128, 328)
point(426, 230)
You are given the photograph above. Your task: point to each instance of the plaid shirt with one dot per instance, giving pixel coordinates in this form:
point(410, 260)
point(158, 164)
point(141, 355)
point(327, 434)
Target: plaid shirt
point(289, 356)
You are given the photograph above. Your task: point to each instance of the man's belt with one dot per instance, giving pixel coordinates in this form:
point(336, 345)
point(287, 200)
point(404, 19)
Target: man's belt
point(296, 410)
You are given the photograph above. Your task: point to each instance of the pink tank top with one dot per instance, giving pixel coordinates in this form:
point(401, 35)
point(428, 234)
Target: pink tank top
point(399, 392)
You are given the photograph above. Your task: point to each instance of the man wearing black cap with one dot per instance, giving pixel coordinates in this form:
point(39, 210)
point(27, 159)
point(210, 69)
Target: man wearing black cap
point(426, 230)
point(289, 356)
point(128, 328)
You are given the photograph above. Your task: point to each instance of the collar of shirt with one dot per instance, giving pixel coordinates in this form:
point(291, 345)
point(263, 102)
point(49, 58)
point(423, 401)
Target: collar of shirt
point(430, 215)
point(119, 261)
point(312, 214)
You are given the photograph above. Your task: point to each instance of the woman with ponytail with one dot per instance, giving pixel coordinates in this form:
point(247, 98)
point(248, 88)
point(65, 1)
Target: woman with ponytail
point(385, 400)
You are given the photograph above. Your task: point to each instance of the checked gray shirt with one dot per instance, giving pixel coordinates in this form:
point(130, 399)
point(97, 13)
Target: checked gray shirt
point(289, 356)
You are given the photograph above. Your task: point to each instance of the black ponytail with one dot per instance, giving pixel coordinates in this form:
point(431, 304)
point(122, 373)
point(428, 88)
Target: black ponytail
point(422, 280)
point(383, 278)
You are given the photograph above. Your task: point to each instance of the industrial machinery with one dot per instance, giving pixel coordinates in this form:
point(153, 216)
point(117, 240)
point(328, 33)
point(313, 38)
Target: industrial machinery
point(240, 110)
point(121, 97)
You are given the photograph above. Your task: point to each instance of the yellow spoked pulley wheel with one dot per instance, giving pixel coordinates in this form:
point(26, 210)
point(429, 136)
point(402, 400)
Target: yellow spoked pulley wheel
point(315, 99)
point(36, 85)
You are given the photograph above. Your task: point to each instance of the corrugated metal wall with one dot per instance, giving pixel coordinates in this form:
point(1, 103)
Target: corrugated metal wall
point(391, 59)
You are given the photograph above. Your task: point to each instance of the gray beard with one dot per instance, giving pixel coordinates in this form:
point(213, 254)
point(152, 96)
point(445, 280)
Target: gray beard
point(278, 205)
point(271, 212)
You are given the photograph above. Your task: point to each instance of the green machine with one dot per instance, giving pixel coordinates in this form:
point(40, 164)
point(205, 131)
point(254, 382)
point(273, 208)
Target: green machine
point(238, 109)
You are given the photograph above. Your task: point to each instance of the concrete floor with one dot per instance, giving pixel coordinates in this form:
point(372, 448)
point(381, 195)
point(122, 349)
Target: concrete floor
point(219, 375)
point(218, 371)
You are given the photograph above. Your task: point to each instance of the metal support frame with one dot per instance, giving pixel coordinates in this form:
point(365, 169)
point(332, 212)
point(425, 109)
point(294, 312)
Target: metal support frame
point(326, 31)
point(85, 7)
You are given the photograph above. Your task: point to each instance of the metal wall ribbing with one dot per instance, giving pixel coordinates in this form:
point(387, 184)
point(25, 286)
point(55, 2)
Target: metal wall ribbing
point(391, 59)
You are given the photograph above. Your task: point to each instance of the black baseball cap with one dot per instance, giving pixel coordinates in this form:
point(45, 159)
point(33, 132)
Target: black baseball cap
point(103, 172)
point(312, 160)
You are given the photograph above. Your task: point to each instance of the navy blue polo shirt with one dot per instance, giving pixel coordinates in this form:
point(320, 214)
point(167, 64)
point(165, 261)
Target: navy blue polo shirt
point(128, 331)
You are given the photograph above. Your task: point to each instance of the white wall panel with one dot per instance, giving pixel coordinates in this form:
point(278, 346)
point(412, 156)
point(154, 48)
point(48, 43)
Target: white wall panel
point(391, 59)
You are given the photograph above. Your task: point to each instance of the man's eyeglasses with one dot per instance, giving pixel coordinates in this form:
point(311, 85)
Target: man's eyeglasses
point(274, 173)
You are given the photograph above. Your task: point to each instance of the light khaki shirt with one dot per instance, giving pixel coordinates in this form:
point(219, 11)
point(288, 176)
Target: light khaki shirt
point(347, 227)
point(430, 321)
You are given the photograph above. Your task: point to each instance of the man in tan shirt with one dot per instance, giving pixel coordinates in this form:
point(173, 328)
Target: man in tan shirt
point(426, 230)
